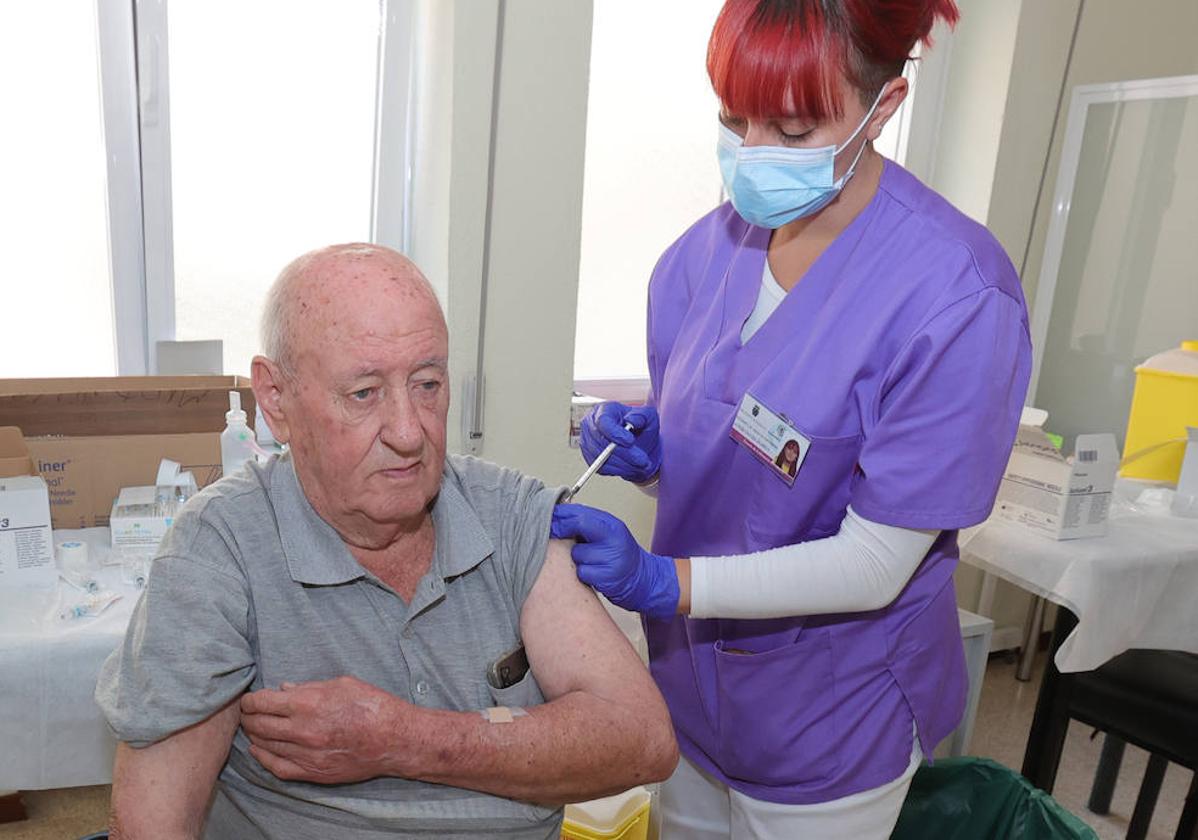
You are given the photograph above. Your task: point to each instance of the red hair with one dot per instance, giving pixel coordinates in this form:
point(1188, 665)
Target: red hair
point(770, 58)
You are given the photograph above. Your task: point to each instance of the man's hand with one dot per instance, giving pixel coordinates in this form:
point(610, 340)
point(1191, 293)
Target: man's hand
point(327, 732)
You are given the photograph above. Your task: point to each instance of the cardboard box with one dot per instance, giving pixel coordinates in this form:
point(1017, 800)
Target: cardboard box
point(26, 542)
point(1063, 499)
point(123, 405)
point(88, 438)
point(14, 454)
point(86, 474)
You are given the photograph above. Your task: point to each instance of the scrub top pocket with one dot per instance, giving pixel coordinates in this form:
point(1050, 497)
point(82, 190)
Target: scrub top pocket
point(811, 508)
point(777, 711)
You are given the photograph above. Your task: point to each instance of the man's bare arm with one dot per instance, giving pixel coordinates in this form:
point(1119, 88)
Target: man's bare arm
point(604, 728)
point(162, 792)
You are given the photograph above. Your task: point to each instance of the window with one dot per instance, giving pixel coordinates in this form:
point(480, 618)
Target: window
point(55, 294)
point(163, 161)
point(650, 168)
point(271, 151)
point(650, 172)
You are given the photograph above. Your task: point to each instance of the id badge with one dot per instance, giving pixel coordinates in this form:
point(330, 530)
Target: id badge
point(771, 438)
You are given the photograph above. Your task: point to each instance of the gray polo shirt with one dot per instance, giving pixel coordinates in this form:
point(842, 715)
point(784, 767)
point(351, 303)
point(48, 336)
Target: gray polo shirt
point(251, 588)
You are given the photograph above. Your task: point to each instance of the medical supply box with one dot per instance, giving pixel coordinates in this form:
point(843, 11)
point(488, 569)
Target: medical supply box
point(90, 437)
point(137, 521)
point(1165, 402)
point(1061, 498)
point(580, 407)
point(26, 547)
point(624, 816)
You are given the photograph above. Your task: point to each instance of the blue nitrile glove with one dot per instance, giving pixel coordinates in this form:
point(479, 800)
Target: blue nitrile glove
point(610, 560)
point(638, 453)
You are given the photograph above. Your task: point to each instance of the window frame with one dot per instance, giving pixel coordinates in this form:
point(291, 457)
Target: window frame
point(126, 245)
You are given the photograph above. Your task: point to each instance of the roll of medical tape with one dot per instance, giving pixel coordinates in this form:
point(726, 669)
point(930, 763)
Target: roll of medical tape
point(72, 555)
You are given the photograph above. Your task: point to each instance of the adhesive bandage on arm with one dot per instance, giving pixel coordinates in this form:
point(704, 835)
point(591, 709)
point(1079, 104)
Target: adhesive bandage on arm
point(502, 714)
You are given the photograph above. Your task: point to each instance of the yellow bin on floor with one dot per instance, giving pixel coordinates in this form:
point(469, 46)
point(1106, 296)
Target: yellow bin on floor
point(1164, 403)
point(624, 816)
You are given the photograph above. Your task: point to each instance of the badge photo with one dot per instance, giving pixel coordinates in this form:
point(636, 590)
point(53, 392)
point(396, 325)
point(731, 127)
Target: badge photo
point(770, 437)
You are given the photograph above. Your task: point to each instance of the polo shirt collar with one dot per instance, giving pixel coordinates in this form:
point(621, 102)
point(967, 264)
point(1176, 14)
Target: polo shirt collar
point(462, 542)
point(317, 555)
point(315, 552)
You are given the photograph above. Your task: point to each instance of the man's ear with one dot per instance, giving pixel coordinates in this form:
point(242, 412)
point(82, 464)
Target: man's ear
point(269, 383)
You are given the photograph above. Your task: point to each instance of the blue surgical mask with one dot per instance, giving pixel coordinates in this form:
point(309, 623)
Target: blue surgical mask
point(772, 185)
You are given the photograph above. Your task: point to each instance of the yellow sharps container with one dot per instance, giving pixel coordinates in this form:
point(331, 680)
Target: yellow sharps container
point(624, 816)
point(1165, 402)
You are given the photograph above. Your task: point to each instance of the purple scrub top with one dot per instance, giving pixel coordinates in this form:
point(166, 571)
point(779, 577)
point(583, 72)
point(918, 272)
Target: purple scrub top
point(903, 355)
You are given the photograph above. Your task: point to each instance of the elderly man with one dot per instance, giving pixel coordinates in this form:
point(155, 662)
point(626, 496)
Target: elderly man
point(359, 589)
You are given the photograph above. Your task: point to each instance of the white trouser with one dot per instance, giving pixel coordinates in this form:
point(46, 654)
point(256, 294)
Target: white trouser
point(696, 806)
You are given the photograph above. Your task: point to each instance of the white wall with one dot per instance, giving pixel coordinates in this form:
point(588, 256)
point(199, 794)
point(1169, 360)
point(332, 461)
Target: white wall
point(1037, 69)
point(974, 103)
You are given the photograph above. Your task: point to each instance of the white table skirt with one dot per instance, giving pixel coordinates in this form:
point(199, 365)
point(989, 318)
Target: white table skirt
point(1133, 588)
point(51, 731)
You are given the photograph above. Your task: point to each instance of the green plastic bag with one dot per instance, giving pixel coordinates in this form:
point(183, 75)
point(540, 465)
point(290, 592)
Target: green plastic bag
point(979, 799)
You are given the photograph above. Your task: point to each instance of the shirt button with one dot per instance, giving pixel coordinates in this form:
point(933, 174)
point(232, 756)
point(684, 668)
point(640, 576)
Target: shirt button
point(422, 687)
point(407, 632)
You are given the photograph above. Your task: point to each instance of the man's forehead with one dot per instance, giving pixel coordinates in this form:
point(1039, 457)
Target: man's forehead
point(345, 352)
point(384, 368)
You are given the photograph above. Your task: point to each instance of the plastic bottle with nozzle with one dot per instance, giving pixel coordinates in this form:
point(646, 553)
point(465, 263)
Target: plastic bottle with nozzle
point(237, 440)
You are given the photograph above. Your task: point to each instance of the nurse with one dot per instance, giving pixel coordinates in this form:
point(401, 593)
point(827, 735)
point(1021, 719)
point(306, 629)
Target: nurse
point(802, 622)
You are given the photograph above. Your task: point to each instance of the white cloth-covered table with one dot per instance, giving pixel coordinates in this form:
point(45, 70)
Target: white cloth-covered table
point(1133, 588)
point(52, 734)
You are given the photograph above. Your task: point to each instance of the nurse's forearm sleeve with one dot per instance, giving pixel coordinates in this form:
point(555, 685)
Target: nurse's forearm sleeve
point(649, 488)
point(863, 567)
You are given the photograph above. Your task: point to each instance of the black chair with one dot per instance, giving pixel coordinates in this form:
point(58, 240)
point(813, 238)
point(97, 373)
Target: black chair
point(1148, 698)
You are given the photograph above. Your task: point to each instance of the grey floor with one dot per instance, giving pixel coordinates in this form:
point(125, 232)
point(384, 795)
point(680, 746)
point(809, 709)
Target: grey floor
point(1004, 716)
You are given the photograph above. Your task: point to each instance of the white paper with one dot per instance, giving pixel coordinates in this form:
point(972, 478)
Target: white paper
point(131, 496)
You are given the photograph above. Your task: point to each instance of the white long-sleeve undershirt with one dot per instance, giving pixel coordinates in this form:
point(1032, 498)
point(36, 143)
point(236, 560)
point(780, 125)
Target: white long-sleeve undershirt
point(863, 567)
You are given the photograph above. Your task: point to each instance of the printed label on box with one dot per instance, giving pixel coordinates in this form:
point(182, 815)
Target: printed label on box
point(26, 548)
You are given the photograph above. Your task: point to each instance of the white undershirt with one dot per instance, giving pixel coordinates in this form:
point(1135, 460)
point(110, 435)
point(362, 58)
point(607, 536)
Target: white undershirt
point(863, 567)
point(769, 297)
